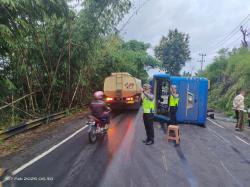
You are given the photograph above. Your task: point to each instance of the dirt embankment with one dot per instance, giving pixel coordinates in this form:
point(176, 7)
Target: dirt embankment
point(25, 146)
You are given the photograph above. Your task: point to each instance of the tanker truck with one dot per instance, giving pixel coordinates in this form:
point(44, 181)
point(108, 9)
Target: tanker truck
point(122, 91)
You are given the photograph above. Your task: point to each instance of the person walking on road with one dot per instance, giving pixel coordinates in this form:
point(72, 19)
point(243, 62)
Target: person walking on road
point(148, 113)
point(238, 106)
point(173, 103)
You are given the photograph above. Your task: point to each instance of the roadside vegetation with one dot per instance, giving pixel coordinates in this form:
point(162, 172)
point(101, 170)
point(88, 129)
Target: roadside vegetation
point(53, 57)
point(229, 73)
point(173, 51)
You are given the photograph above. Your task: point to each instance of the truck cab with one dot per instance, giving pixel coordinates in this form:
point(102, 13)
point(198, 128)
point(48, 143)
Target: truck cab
point(193, 93)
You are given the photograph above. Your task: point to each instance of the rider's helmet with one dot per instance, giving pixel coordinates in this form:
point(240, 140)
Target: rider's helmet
point(99, 95)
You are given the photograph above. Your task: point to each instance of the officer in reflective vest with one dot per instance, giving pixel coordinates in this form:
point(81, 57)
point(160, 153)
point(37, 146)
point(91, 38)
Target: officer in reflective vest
point(148, 114)
point(173, 103)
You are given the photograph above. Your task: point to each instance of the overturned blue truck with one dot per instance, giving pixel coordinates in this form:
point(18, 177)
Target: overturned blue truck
point(193, 91)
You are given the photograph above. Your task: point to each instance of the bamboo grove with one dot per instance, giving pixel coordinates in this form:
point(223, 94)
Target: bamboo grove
point(53, 56)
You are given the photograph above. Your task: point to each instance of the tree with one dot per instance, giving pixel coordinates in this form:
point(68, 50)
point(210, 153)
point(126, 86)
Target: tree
point(119, 56)
point(228, 74)
point(173, 51)
point(51, 53)
point(53, 58)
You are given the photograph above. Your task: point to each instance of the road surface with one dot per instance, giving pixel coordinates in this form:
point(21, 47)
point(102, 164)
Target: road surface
point(211, 156)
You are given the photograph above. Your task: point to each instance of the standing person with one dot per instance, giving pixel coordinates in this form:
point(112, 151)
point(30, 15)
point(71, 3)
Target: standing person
point(238, 106)
point(173, 103)
point(148, 113)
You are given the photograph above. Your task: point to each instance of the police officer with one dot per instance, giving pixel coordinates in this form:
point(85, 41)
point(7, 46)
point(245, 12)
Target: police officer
point(173, 103)
point(148, 113)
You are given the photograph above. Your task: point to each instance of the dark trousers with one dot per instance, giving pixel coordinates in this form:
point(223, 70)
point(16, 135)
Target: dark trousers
point(105, 119)
point(173, 111)
point(148, 123)
point(240, 120)
point(237, 116)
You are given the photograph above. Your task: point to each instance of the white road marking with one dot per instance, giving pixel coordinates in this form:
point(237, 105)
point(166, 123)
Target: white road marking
point(213, 122)
point(242, 140)
point(222, 164)
point(47, 152)
point(227, 170)
point(8, 178)
point(164, 160)
point(225, 140)
point(218, 135)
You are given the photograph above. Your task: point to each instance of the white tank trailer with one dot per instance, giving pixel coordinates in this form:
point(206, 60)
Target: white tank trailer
point(122, 90)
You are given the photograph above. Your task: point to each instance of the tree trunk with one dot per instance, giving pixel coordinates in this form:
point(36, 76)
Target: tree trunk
point(75, 90)
point(53, 79)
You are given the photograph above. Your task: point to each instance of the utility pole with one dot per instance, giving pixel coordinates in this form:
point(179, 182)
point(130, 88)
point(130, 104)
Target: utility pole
point(202, 59)
point(244, 33)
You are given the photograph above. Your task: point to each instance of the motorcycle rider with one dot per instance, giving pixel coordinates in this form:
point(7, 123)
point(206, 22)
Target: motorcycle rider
point(100, 110)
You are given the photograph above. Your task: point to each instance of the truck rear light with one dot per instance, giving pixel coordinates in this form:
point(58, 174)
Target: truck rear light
point(109, 99)
point(129, 99)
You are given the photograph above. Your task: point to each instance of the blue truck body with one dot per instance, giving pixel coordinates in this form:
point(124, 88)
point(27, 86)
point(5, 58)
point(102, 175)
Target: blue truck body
point(193, 93)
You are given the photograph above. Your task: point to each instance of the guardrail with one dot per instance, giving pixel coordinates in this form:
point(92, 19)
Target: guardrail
point(25, 126)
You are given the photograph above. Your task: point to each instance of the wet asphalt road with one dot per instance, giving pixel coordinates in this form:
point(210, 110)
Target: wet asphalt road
point(211, 156)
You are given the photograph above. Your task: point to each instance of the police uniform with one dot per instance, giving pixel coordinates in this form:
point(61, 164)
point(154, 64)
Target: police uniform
point(148, 117)
point(173, 103)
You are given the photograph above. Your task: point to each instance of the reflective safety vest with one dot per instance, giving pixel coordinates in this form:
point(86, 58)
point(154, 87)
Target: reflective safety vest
point(174, 101)
point(148, 105)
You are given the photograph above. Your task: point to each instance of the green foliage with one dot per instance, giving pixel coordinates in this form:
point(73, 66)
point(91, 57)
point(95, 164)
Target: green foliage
point(58, 57)
point(119, 56)
point(229, 74)
point(173, 51)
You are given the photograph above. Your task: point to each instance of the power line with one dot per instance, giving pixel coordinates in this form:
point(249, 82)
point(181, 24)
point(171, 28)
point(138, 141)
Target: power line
point(233, 32)
point(226, 39)
point(133, 14)
point(229, 36)
point(228, 42)
point(225, 46)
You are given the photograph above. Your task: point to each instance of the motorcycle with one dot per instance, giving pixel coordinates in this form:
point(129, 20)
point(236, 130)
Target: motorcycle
point(96, 128)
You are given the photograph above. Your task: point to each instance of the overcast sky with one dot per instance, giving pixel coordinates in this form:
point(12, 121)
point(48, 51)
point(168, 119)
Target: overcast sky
point(206, 21)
